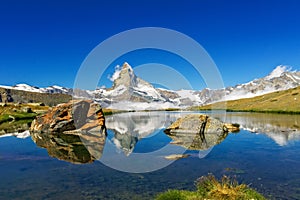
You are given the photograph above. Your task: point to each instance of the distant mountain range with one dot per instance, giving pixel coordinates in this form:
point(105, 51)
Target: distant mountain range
point(130, 92)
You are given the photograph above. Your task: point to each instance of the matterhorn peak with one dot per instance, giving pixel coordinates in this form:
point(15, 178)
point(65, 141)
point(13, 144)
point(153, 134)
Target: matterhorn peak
point(278, 71)
point(126, 66)
point(124, 76)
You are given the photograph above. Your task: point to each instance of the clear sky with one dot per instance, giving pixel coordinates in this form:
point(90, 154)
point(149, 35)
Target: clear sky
point(43, 43)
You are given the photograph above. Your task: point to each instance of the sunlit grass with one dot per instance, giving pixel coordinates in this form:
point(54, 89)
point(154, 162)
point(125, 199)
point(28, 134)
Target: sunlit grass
point(208, 187)
point(287, 101)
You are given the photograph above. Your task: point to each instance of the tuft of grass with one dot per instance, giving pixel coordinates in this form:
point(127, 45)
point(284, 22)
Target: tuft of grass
point(225, 189)
point(208, 187)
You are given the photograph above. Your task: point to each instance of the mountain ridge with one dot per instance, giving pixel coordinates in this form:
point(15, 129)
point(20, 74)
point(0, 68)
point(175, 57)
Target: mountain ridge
point(130, 92)
point(284, 101)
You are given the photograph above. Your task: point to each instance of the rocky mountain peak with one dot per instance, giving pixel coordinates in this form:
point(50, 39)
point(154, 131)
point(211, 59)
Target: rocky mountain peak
point(126, 66)
point(125, 77)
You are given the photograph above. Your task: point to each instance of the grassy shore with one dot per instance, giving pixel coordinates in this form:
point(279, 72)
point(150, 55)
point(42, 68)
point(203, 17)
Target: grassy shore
point(287, 101)
point(17, 117)
point(208, 187)
point(17, 112)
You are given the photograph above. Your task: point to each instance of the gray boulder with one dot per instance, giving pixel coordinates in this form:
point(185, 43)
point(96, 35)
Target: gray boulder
point(197, 123)
point(199, 132)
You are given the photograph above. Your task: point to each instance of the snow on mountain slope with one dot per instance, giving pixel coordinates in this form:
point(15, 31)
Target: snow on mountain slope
point(130, 92)
point(277, 72)
point(281, 78)
point(56, 89)
point(50, 89)
point(25, 87)
point(127, 87)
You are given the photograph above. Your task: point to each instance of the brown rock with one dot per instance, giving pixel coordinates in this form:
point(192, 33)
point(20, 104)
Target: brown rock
point(232, 127)
point(82, 115)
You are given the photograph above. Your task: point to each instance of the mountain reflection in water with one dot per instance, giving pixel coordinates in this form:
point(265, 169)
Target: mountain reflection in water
point(282, 128)
point(264, 154)
point(128, 129)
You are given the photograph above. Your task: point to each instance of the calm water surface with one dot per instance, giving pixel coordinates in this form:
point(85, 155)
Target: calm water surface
point(264, 154)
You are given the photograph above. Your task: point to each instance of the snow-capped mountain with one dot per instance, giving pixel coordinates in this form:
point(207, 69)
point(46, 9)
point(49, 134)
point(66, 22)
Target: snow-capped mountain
point(128, 88)
point(50, 89)
point(130, 92)
point(133, 93)
point(281, 78)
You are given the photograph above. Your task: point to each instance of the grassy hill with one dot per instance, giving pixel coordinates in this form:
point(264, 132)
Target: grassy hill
point(287, 101)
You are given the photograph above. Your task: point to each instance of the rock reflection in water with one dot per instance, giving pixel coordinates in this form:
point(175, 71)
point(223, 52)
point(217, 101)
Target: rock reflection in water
point(75, 147)
point(192, 141)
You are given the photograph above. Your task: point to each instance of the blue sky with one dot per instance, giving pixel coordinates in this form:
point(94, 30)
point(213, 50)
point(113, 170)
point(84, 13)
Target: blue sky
point(43, 43)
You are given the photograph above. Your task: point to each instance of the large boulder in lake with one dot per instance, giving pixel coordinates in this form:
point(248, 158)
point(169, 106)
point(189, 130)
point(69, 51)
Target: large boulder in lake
point(80, 115)
point(197, 123)
point(199, 132)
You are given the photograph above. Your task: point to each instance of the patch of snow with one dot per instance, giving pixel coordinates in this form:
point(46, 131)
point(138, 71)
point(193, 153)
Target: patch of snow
point(189, 94)
point(26, 87)
point(21, 135)
point(115, 92)
point(294, 78)
point(150, 91)
point(277, 72)
point(6, 87)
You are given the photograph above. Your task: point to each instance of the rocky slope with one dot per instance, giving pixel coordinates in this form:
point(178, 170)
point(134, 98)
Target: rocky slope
point(23, 96)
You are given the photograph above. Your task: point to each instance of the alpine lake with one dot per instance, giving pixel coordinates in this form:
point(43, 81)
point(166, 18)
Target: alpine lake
point(130, 162)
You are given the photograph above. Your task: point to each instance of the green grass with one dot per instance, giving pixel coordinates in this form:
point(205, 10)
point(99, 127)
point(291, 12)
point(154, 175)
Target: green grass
point(13, 119)
point(16, 116)
point(208, 187)
point(20, 125)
